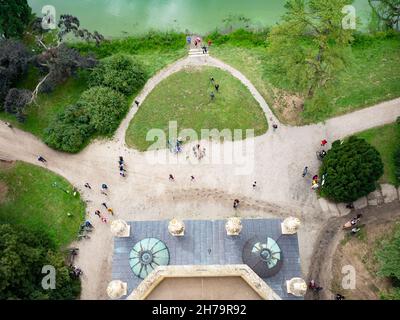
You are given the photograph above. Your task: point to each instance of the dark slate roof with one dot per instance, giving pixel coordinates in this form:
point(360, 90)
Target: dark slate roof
point(202, 235)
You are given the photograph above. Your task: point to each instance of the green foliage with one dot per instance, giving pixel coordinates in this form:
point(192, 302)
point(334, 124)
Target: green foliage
point(106, 108)
point(119, 72)
point(152, 41)
point(351, 169)
point(310, 46)
point(15, 15)
point(397, 153)
point(240, 37)
point(391, 295)
point(389, 256)
point(69, 130)
point(24, 253)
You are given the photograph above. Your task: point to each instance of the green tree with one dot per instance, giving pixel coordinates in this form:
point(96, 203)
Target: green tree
point(310, 46)
point(23, 255)
point(70, 130)
point(106, 108)
point(388, 12)
point(15, 15)
point(350, 170)
point(119, 72)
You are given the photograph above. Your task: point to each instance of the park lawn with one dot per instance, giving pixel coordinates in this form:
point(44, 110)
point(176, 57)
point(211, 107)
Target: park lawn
point(48, 105)
point(385, 139)
point(185, 97)
point(33, 202)
point(372, 76)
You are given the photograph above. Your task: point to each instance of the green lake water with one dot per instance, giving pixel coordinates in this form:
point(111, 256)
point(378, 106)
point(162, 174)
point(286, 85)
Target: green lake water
point(115, 18)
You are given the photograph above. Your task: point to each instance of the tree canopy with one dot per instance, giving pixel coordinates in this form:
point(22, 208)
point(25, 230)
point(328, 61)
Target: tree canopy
point(15, 15)
point(24, 254)
point(388, 12)
point(310, 45)
point(350, 170)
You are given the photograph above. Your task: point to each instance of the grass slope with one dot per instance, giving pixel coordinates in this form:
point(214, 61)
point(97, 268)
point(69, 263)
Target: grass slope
point(31, 200)
point(185, 97)
point(385, 139)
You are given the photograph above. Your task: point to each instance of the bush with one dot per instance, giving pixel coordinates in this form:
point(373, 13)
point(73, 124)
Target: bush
point(69, 130)
point(106, 108)
point(24, 253)
point(119, 72)
point(351, 169)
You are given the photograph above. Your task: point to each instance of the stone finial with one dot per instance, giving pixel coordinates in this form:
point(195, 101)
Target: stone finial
point(176, 228)
point(119, 228)
point(233, 226)
point(117, 289)
point(290, 225)
point(296, 286)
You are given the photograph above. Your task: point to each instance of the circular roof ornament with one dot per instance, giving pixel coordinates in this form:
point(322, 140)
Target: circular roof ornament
point(146, 255)
point(176, 228)
point(296, 286)
point(263, 257)
point(119, 228)
point(116, 289)
point(290, 225)
point(233, 226)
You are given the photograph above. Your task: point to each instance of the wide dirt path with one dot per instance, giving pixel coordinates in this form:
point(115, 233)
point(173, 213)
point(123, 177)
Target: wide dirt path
point(275, 160)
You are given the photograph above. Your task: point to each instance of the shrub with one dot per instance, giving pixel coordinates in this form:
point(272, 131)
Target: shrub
point(105, 106)
point(69, 130)
point(24, 253)
point(119, 72)
point(389, 257)
point(351, 169)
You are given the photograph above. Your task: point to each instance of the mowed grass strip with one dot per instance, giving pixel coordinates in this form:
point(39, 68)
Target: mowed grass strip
point(385, 139)
point(30, 199)
point(185, 97)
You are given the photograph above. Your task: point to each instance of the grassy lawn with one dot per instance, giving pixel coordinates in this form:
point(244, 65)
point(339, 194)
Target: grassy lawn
point(31, 200)
point(48, 105)
point(385, 139)
point(185, 97)
point(372, 77)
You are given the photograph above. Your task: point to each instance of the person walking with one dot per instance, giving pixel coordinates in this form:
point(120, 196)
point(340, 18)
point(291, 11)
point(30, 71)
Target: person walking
point(104, 205)
point(121, 160)
point(191, 178)
point(189, 40)
point(216, 87)
point(97, 213)
point(254, 184)
point(171, 177)
point(212, 95)
point(274, 126)
point(212, 80)
point(110, 211)
point(235, 203)
point(323, 142)
point(137, 103)
point(305, 171)
point(87, 185)
point(41, 159)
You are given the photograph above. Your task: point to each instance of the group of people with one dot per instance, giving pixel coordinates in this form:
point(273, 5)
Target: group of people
point(199, 152)
point(197, 42)
point(216, 87)
point(121, 164)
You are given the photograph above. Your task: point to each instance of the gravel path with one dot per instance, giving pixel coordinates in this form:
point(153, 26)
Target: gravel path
point(277, 164)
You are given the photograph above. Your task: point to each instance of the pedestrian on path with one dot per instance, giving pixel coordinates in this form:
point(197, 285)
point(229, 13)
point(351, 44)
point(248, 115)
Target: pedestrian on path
point(97, 213)
point(323, 142)
point(212, 95)
point(254, 184)
point(217, 87)
point(189, 40)
point(274, 126)
point(235, 203)
point(338, 296)
point(171, 177)
point(305, 171)
point(212, 80)
point(137, 103)
point(121, 160)
point(41, 159)
point(87, 185)
point(122, 174)
point(191, 178)
point(104, 187)
point(110, 211)
point(104, 205)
